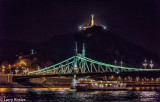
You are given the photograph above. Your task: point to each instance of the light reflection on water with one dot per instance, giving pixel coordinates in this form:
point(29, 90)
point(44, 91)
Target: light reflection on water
point(65, 95)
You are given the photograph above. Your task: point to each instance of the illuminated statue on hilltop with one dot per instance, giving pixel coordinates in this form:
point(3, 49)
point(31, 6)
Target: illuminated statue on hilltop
point(89, 26)
point(92, 21)
point(92, 24)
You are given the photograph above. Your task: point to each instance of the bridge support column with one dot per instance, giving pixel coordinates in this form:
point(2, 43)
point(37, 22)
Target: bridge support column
point(73, 84)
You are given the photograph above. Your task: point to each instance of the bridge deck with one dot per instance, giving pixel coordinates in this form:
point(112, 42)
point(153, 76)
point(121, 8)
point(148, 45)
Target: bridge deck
point(149, 74)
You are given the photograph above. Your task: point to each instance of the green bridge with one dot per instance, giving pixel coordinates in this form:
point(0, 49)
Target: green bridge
point(79, 63)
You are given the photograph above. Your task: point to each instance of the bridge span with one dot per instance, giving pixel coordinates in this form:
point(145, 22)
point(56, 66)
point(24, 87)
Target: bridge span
point(80, 66)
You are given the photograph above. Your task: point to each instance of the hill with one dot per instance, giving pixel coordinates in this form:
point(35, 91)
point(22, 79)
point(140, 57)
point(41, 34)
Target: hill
point(101, 45)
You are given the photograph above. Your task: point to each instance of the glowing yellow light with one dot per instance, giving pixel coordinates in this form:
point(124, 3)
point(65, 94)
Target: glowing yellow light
point(2, 90)
point(9, 66)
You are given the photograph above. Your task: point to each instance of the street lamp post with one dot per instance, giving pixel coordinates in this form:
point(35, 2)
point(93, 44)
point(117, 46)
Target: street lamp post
point(145, 63)
point(115, 62)
point(3, 69)
point(121, 63)
point(16, 70)
point(38, 67)
point(25, 70)
point(151, 64)
point(10, 68)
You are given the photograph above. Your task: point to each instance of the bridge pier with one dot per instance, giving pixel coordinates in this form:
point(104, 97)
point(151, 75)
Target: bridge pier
point(73, 83)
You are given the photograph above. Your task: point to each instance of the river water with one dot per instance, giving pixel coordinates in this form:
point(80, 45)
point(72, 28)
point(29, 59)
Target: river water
point(67, 95)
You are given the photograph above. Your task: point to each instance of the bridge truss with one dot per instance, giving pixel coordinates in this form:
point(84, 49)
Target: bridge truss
point(81, 64)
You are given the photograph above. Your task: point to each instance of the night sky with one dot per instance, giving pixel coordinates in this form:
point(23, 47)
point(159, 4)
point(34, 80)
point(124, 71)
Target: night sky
point(38, 20)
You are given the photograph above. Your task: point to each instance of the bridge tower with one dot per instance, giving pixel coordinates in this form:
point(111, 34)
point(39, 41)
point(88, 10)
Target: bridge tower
point(83, 55)
point(73, 83)
point(76, 53)
point(83, 51)
point(76, 49)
